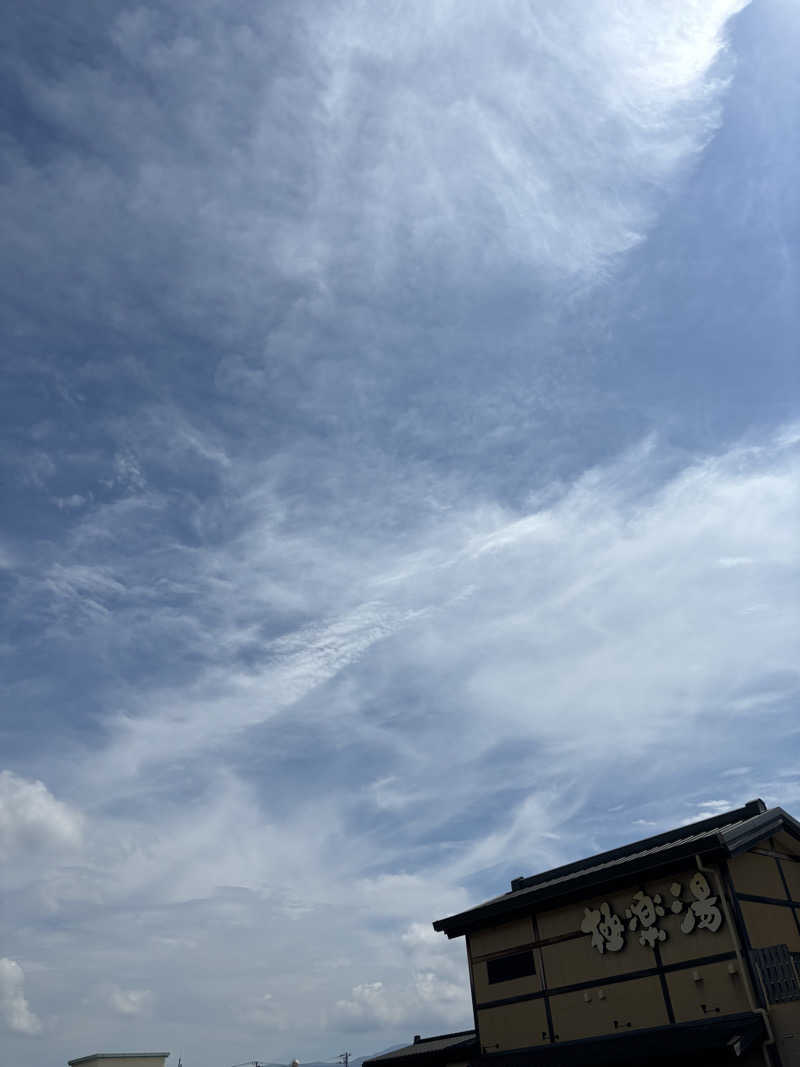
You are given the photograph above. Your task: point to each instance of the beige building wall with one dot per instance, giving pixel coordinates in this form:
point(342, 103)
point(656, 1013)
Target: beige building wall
point(708, 990)
point(501, 937)
point(623, 1006)
point(511, 1026)
point(566, 954)
point(772, 872)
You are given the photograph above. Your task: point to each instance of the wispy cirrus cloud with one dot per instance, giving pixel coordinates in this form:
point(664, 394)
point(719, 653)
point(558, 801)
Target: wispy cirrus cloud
point(527, 675)
point(610, 559)
point(365, 549)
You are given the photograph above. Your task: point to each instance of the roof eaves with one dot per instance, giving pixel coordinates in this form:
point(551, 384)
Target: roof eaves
point(790, 824)
point(742, 837)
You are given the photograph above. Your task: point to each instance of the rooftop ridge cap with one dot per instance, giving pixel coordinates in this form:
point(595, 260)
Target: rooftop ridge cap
point(713, 822)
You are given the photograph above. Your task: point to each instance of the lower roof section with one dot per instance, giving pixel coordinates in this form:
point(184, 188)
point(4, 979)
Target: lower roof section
point(459, 1047)
point(706, 1041)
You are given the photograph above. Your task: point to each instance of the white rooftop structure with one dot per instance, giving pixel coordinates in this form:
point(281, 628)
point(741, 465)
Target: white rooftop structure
point(121, 1059)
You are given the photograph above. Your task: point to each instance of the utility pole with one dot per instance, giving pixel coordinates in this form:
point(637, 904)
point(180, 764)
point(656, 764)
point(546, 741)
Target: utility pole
point(344, 1057)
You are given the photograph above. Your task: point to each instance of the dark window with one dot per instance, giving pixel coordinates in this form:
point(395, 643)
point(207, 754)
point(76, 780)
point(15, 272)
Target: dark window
point(778, 973)
point(504, 968)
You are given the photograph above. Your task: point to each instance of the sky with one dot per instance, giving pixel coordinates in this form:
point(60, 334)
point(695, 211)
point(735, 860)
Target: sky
point(400, 489)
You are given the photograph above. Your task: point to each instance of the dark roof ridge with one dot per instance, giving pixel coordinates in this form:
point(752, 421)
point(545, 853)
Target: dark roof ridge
point(713, 822)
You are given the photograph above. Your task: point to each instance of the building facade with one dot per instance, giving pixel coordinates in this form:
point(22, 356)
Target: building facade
point(684, 946)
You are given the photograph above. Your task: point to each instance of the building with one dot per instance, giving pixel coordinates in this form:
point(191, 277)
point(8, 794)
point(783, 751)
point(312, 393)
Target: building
point(121, 1059)
point(683, 947)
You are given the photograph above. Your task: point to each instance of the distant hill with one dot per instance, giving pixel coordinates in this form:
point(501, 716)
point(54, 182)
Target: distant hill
point(355, 1061)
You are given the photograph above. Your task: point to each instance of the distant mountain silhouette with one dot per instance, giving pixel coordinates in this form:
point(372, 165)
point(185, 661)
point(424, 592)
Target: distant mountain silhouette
point(355, 1061)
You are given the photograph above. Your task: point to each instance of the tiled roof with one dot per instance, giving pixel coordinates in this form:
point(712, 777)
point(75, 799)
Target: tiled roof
point(726, 834)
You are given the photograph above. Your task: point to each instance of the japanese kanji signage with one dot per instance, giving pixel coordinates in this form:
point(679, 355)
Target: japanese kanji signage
point(644, 914)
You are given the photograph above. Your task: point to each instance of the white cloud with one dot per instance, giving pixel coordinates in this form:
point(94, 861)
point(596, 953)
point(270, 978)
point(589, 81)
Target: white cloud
point(15, 1011)
point(428, 1001)
point(128, 1001)
point(263, 1012)
point(484, 125)
point(31, 818)
point(460, 147)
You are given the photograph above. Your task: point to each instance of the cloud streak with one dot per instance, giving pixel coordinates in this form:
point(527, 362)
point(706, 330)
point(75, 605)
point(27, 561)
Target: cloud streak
point(512, 668)
point(376, 531)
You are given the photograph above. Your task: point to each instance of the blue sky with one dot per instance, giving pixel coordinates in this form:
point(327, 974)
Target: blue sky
point(401, 440)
